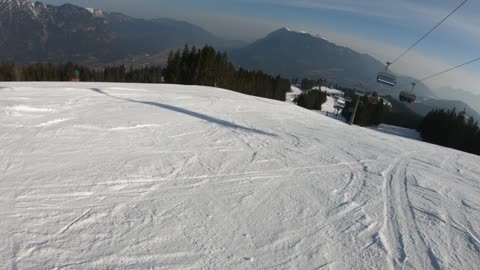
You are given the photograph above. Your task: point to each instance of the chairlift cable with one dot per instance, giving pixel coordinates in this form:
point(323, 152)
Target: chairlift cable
point(448, 70)
point(429, 32)
point(443, 72)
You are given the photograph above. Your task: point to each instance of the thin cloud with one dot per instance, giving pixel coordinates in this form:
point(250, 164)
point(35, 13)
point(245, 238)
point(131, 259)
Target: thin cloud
point(412, 12)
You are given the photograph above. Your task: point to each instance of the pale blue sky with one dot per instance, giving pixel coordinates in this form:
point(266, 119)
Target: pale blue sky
point(381, 28)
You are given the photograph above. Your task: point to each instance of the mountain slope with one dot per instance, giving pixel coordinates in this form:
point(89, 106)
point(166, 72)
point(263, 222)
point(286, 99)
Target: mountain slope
point(131, 176)
point(298, 54)
point(455, 94)
point(426, 106)
point(155, 35)
point(38, 32)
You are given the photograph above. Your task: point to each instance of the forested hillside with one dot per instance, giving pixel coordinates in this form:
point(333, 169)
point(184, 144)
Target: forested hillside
point(451, 129)
point(208, 67)
point(204, 66)
point(66, 72)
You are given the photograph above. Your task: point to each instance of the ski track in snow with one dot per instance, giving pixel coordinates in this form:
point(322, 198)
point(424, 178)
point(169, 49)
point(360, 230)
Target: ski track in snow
point(131, 176)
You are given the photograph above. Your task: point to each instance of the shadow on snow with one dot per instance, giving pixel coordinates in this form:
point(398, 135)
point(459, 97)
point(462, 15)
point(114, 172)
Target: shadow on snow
point(188, 112)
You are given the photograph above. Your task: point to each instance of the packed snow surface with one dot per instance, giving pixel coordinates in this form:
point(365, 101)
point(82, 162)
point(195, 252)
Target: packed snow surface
point(399, 131)
point(130, 176)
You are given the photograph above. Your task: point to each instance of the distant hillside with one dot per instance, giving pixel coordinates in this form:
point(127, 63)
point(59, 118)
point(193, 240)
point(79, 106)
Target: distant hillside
point(298, 54)
point(426, 106)
point(455, 94)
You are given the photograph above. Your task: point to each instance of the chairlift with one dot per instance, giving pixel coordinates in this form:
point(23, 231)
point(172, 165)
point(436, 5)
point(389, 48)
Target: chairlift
point(408, 96)
point(339, 104)
point(387, 104)
point(373, 100)
point(386, 77)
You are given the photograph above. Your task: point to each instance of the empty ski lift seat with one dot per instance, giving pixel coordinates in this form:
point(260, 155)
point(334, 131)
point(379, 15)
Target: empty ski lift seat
point(386, 78)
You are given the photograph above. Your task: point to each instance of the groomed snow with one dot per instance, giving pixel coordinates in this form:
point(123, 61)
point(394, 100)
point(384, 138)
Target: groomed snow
point(399, 131)
point(131, 176)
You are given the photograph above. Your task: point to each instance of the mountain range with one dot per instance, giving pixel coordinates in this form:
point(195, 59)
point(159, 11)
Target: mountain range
point(35, 31)
point(424, 107)
point(454, 94)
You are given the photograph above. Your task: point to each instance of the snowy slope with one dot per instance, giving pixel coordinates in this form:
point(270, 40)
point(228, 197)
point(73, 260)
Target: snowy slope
point(294, 92)
point(332, 91)
point(399, 131)
point(328, 109)
point(130, 176)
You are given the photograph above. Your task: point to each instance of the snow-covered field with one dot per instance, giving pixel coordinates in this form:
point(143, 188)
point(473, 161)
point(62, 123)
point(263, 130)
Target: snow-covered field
point(331, 91)
point(328, 109)
point(295, 92)
point(130, 176)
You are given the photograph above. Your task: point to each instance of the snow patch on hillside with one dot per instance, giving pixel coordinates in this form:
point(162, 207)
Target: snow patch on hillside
point(95, 12)
point(293, 94)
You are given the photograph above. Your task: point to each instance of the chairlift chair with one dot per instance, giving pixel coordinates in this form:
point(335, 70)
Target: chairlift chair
point(373, 100)
point(408, 96)
point(387, 77)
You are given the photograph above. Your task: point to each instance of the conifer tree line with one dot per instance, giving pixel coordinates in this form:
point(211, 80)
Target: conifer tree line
point(451, 129)
point(312, 99)
point(400, 115)
point(205, 66)
point(308, 84)
point(64, 72)
point(368, 114)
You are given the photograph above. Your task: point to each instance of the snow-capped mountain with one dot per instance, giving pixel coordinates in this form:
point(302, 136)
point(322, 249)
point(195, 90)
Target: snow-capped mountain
point(34, 31)
point(17, 3)
point(95, 12)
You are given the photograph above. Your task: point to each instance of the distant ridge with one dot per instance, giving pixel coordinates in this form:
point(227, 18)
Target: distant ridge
point(301, 54)
point(31, 32)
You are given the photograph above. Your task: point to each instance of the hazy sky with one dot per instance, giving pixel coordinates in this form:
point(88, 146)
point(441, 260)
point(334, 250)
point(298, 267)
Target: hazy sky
point(382, 28)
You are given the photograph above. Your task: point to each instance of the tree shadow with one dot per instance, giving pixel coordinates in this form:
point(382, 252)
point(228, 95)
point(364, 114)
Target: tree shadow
point(188, 112)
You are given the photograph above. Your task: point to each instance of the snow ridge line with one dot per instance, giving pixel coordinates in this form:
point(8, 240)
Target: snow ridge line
point(64, 229)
